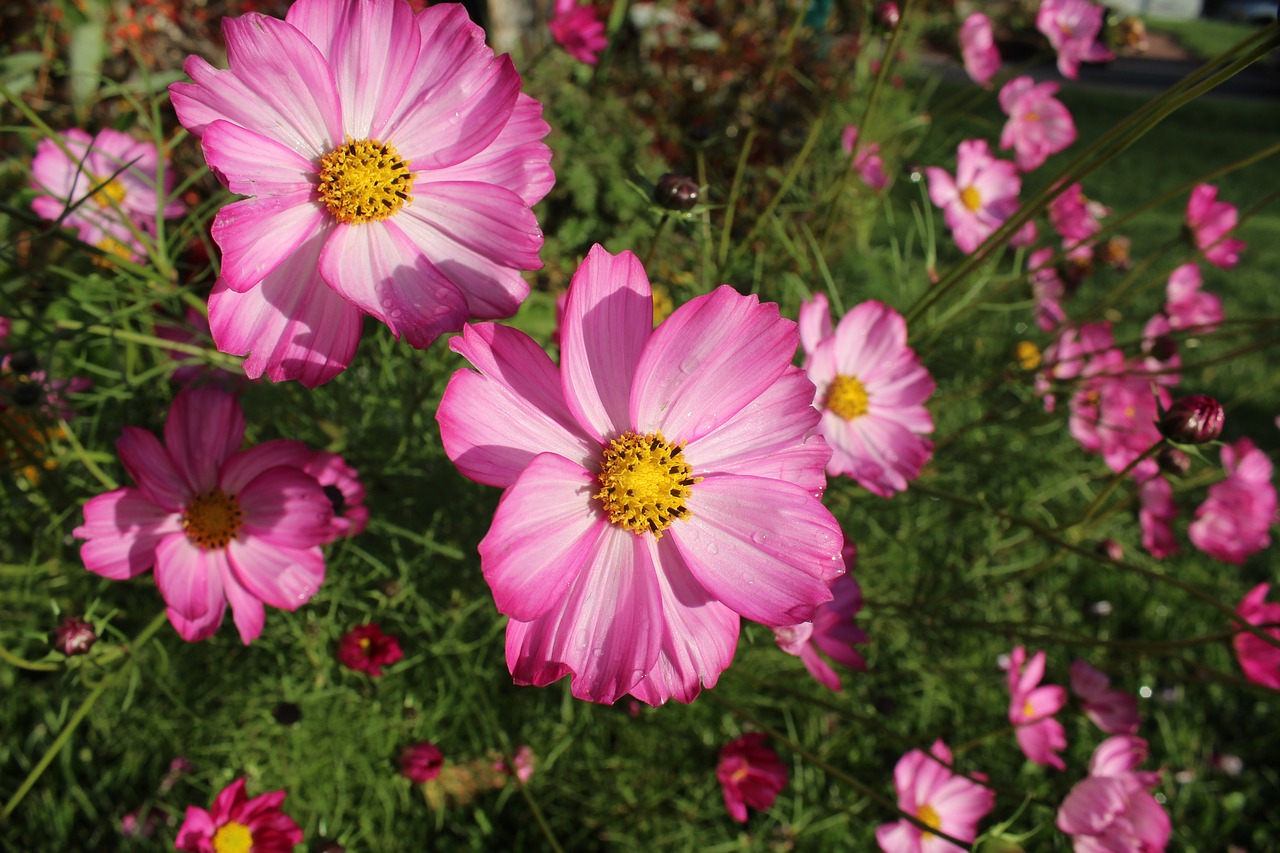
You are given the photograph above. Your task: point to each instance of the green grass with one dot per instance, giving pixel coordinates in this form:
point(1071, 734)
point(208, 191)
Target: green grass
point(1202, 37)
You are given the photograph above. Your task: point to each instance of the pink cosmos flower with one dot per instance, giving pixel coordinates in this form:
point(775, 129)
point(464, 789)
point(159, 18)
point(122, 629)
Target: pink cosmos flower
point(750, 774)
point(1031, 709)
point(930, 792)
point(1235, 520)
point(1156, 512)
point(1081, 351)
point(1113, 711)
point(978, 48)
point(421, 762)
point(1038, 126)
point(1209, 221)
point(1072, 27)
point(1189, 307)
point(1112, 809)
point(523, 763)
point(104, 186)
point(366, 649)
point(1259, 659)
point(240, 824)
point(867, 163)
point(1048, 288)
point(980, 198)
point(871, 391)
point(832, 630)
point(1160, 357)
point(218, 524)
point(395, 180)
point(1075, 217)
point(577, 29)
point(659, 485)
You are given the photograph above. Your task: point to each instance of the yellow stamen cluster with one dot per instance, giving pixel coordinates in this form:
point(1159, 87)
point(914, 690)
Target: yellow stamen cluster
point(928, 816)
point(644, 482)
point(364, 181)
point(212, 520)
point(848, 398)
point(109, 194)
point(1028, 355)
point(233, 837)
point(971, 198)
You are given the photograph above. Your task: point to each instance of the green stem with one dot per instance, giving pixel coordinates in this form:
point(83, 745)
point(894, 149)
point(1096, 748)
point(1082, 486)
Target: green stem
point(1113, 484)
point(12, 659)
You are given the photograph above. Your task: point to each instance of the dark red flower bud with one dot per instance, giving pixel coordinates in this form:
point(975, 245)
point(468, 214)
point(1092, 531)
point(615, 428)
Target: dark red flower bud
point(888, 14)
point(1194, 419)
point(1173, 461)
point(421, 762)
point(676, 192)
point(74, 636)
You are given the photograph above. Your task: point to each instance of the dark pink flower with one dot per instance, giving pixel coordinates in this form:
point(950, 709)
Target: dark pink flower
point(366, 649)
point(832, 630)
point(1031, 709)
point(1235, 520)
point(421, 762)
point(978, 48)
point(1075, 217)
point(1209, 221)
point(1193, 419)
point(1038, 126)
point(1156, 512)
point(1113, 711)
point(1112, 810)
point(1259, 659)
point(750, 774)
point(931, 793)
point(983, 194)
point(578, 30)
point(867, 163)
point(235, 824)
point(1072, 27)
point(74, 636)
point(1187, 306)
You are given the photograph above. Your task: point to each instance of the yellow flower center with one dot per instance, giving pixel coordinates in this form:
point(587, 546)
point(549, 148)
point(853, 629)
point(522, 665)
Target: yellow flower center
point(1030, 115)
point(364, 181)
point(109, 194)
point(212, 520)
point(926, 815)
point(1028, 355)
point(644, 482)
point(111, 248)
point(848, 398)
point(233, 838)
point(1028, 710)
point(971, 198)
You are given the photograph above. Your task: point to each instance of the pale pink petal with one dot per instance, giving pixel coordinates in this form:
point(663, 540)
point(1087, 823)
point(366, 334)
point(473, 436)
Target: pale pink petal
point(190, 582)
point(257, 235)
point(204, 427)
point(517, 159)
point(899, 837)
point(252, 164)
point(274, 574)
point(607, 321)
point(528, 571)
point(494, 422)
point(123, 528)
point(695, 374)
point(815, 322)
point(766, 549)
point(1091, 806)
point(149, 465)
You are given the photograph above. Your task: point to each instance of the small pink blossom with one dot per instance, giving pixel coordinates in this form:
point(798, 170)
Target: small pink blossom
point(978, 48)
point(1209, 221)
point(750, 774)
point(1031, 710)
point(524, 762)
point(1187, 306)
point(421, 762)
point(219, 524)
point(983, 194)
point(578, 30)
point(1112, 809)
point(832, 630)
point(867, 163)
point(1048, 289)
point(930, 792)
point(1072, 27)
point(1235, 520)
point(871, 389)
point(1078, 351)
point(1156, 512)
point(365, 648)
point(1075, 217)
point(1113, 711)
point(1038, 126)
point(1259, 659)
point(1160, 357)
point(235, 822)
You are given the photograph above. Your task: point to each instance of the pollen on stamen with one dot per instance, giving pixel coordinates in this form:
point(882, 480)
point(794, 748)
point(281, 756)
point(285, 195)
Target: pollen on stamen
point(364, 181)
point(645, 482)
point(212, 520)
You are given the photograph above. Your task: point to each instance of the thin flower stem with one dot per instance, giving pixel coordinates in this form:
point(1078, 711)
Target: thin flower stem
point(12, 659)
point(85, 459)
point(653, 243)
point(1112, 485)
point(78, 717)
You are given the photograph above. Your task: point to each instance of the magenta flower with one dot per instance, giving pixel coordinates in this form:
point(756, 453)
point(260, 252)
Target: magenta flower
point(104, 186)
point(1156, 512)
point(978, 48)
point(832, 630)
point(871, 391)
point(1187, 306)
point(421, 762)
point(74, 636)
point(1038, 126)
point(931, 793)
point(578, 30)
point(1113, 711)
point(235, 823)
point(1259, 659)
point(1112, 809)
point(1048, 288)
point(659, 485)
point(523, 763)
point(218, 524)
point(750, 774)
point(867, 162)
point(397, 184)
point(1235, 520)
point(1209, 222)
point(1075, 217)
point(1072, 27)
point(1031, 709)
point(366, 649)
point(983, 194)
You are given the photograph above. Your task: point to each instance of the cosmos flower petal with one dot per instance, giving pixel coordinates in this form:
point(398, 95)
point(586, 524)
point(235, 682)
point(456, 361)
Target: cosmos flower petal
point(285, 506)
point(241, 468)
point(257, 235)
point(516, 159)
point(123, 528)
point(252, 164)
point(276, 574)
point(815, 322)
point(204, 427)
point(190, 580)
point(247, 611)
point(529, 573)
point(148, 463)
point(767, 549)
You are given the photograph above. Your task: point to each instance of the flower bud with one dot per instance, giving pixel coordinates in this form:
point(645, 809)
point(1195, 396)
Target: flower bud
point(74, 636)
point(421, 762)
point(1194, 419)
point(888, 14)
point(676, 192)
point(1173, 461)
